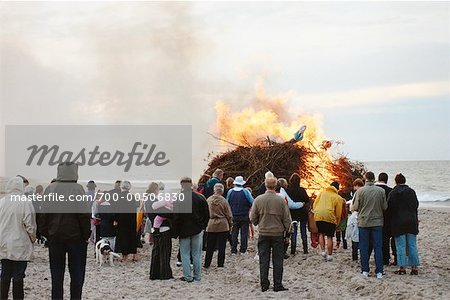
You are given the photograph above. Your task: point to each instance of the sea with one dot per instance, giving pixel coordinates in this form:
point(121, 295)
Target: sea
point(430, 179)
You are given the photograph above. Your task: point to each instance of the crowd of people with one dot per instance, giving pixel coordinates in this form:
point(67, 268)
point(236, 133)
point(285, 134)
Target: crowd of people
point(373, 216)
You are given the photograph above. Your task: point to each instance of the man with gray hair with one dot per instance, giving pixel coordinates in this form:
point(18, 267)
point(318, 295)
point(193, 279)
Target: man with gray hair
point(271, 213)
point(219, 225)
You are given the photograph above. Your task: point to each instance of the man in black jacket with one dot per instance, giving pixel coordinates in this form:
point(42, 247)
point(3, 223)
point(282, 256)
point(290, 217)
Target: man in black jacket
point(189, 228)
point(387, 236)
point(66, 225)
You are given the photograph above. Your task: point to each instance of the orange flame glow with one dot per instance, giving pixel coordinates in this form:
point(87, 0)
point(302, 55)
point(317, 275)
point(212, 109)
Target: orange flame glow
point(271, 117)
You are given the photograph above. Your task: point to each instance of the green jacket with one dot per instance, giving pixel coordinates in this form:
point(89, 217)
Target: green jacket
point(370, 202)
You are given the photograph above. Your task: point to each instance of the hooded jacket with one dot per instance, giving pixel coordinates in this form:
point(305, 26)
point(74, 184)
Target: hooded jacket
point(220, 217)
point(17, 223)
point(66, 221)
point(403, 205)
point(328, 206)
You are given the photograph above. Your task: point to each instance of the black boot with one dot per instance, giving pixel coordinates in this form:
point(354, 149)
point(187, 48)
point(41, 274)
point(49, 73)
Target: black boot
point(305, 247)
point(4, 289)
point(345, 243)
point(18, 289)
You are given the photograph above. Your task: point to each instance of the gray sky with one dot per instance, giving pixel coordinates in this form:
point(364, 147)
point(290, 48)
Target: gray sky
point(378, 73)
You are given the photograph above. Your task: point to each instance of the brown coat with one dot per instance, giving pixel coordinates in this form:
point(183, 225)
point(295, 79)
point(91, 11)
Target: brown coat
point(220, 217)
point(271, 213)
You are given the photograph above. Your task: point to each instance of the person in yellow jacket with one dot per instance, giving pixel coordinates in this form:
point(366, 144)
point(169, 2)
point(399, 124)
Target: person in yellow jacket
point(327, 213)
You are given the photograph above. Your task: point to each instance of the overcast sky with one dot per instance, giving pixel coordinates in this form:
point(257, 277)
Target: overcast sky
point(379, 73)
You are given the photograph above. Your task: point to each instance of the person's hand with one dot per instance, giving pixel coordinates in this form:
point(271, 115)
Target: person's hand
point(115, 223)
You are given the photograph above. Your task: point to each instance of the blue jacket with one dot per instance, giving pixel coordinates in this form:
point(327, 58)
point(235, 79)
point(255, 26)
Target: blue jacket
point(240, 201)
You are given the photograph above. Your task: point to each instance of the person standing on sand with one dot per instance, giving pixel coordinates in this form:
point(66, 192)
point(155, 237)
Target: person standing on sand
point(352, 231)
point(273, 219)
point(126, 211)
point(403, 205)
point(67, 231)
point(388, 242)
point(241, 201)
point(189, 228)
point(327, 213)
point(298, 194)
point(217, 177)
point(161, 235)
point(370, 202)
point(219, 225)
point(17, 235)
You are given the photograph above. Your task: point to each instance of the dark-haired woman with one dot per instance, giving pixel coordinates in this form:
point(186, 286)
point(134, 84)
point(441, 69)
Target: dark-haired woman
point(403, 205)
point(298, 194)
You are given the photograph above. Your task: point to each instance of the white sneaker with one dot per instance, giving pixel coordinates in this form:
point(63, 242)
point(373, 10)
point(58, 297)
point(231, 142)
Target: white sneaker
point(365, 274)
point(329, 257)
point(256, 257)
point(244, 253)
point(379, 275)
point(179, 263)
point(324, 255)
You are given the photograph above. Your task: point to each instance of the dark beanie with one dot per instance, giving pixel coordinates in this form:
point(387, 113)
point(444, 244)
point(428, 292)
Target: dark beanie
point(335, 184)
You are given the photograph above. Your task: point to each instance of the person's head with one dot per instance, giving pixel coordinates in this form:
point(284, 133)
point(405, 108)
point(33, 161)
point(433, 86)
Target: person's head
point(125, 185)
point(271, 183)
point(186, 183)
point(39, 189)
point(283, 182)
point(91, 185)
point(29, 190)
point(294, 180)
point(153, 188)
point(250, 190)
point(161, 185)
point(369, 176)
point(400, 179)
point(25, 181)
point(268, 175)
point(229, 182)
point(218, 189)
point(218, 173)
point(203, 179)
point(117, 184)
point(239, 181)
point(335, 184)
point(357, 184)
point(383, 177)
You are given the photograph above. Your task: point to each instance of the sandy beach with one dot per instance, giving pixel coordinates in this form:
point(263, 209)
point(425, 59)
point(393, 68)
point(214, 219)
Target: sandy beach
point(305, 276)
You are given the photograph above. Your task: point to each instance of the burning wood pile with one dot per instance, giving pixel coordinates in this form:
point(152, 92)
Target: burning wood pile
point(283, 159)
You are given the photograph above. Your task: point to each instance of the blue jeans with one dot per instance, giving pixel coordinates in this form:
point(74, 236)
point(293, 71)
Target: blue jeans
point(76, 253)
point(192, 246)
point(294, 234)
point(374, 234)
point(407, 254)
point(239, 224)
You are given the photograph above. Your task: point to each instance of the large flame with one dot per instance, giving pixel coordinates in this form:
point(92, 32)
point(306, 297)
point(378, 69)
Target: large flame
point(271, 118)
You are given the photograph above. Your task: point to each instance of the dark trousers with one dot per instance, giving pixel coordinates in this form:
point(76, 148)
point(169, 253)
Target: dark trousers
point(355, 248)
point(76, 253)
point(160, 262)
point(216, 240)
point(388, 244)
point(340, 235)
point(303, 234)
point(268, 245)
point(14, 270)
point(239, 225)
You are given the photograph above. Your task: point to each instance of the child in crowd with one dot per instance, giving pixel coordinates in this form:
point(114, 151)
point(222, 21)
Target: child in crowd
point(352, 231)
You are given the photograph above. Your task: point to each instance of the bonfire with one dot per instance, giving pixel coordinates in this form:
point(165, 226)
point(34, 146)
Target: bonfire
point(268, 138)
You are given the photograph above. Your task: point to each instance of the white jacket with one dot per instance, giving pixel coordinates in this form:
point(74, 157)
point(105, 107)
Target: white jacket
point(17, 224)
point(352, 231)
